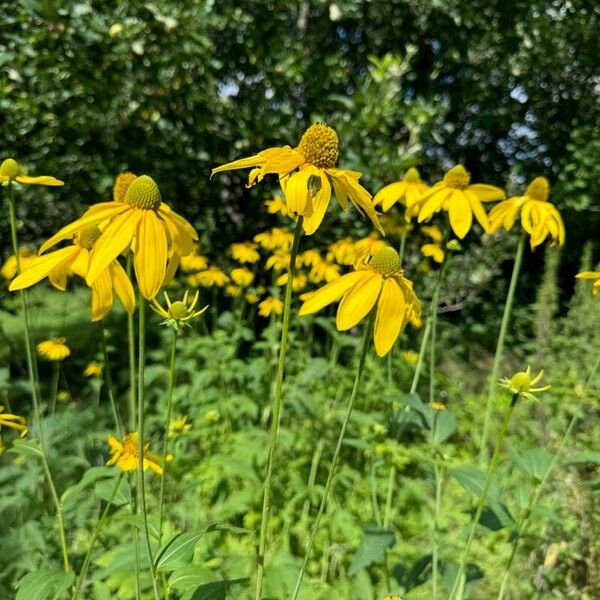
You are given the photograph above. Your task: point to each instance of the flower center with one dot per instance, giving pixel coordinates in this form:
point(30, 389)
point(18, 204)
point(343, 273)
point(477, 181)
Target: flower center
point(319, 146)
point(457, 177)
point(385, 261)
point(412, 176)
point(130, 445)
point(143, 193)
point(178, 310)
point(538, 189)
point(521, 382)
point(10, 168)
point(122, 183)
point(87, 237)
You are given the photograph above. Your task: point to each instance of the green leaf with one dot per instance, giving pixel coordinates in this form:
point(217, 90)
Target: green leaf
point(92, 475)
point(44, 584)
point(27, 448)
point(589, 457)
point(470, 479)
point(178, 551)
point(372, 547)
point(215, 590)
point(190, 577)
point(533, 461)
point(445, 425)
point(412, 400)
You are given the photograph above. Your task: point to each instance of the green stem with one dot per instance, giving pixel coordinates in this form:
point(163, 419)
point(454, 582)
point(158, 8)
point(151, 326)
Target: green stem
point(458, 583)
point(141, 493)
point(54, 386)
point(95, 534)
point(541, 485)
point(436, 526)
point(165, 451)
point(35, 387)
point(109, 386)
point(500, 348)
point(402, 243)
point(338, 447)
point(276, 417)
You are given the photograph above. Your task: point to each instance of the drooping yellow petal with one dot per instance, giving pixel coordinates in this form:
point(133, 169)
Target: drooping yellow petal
point(478, 210)
point(330, 293)
point(320, 202)
point(41, 180)
point(359, 300)
point(41, 266)
point(58, 277)
point(102, 296)
point(434, 203)
point(279, 160)
point(391, 316)
point(487, 193)
point(588, 275)
point(297, 192)
point(390, 194)
point(459, 212)
point(122, 286)
point(150, 255)
point(81, 263)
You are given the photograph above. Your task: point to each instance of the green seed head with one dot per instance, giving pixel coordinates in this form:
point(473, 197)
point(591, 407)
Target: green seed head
point(457, 177)
point(412, 176)
point(178, 310)
point(10, 168)
point(386, 262)
point(319, 146)
point(144, 193)
point(538, 189)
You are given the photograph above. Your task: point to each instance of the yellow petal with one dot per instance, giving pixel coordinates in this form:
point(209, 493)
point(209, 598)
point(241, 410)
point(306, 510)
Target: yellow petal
point(478, 210)
point(297, 193)
point(41, 266)
point(359, 300)
point(588, 275)
point(487, 193)
point(330, 293)
point(150, 255)
point(41, 180)
point(102, 296)
point(391, 315)
point(460, 214)
point(81, 263)
point(122, 286)
point(433, 203)
point(58, 278)
point(390, 194)
point(320, 202)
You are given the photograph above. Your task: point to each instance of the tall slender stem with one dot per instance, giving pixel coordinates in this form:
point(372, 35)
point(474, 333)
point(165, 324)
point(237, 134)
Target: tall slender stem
point(458, 583)
point(54, 385)
point(542, 484)
point(35, 386)
point(276, 416)
point(109, 385)
point(336, 453)
point(165, 451)
point(141, 492)
point(500, 348)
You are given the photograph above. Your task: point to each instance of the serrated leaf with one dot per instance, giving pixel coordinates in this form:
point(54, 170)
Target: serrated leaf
point(90, 476)
point(443, 425)
point(27, 448)
point(178, 551)
point(372, 547)
point(533, 461)
point(44, 584)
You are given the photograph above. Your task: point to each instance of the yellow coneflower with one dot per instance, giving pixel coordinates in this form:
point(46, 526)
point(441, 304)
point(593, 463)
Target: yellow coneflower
point(438, 406)
point(298, 283)
point(279, 261)
point(380, 281)
point(408, 191)
point(368, 246)
point(213, 276)
point(309, 258)
point(244, 252)
point(54, 350)
point(343, 252)
point(433, 249)
point(143, 223)
point(523, 384)
point(125, 454)
point(233, 291)
point(275, 239)
point(410, 356)
point(13, 422)
point(461, 199)
point(539, 217)
point(591, 275)
point(324, 271)
point(11, 170)
point(192, 263)
point(93, 369)
point(242, 277)
point(122, 183)
point(252, 297)
point(9, 269)
point(270, 305)
point(307, 175)
point(178, 314)
point(179, 426)
point(277, 206)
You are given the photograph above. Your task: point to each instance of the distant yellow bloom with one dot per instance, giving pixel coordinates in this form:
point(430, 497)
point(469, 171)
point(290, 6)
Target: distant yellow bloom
point(212, 415)
point(244, 252)
point(298, 283)
point(435, 233)
point(591, 275)
point(539, 217)
point(275, 239)
point(278, 261)
point(277, 206)
point(208, 278)
point(179, 426)
point(438, 406)
point(157, 235)
point(193, 262)
point(408, 191)
point(126, 456)
point(379, 281)
point(178, 314)
point(11, 170)
point(122, 183)
point(233, 291)
point(342, 252)
point(242, 276)
point(523, 384)
point(461, 199)
point(270, 305)
point(410, 356)
point(324, 271)
point(9, 269)
point(54, 350)
point(307, 175)
point(252, 297)
point(13, 421)
point(93, 369)
point(367, 246)
point(433, 249)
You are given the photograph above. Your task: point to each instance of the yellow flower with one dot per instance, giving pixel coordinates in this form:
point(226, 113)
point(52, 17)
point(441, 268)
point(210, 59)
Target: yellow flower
point(307, 174)
point(158, 236)
point(233, 291)
point(433, 249)
point(9, 269)
point(298, 283)
point(179, 426)
point(460, 199)
point(277, 205)
point(539, 217)
point(122, 183)
point(410, 356)
point(54, 349)
point(93, 369)
point(380, 281)
point(275, 239)
point(309, 258)
point(252, 297)
point(11, 170)
point(208, 278)
point(342, 252)
point(13, 421)
point(179, 313)
point(193, 262)
point(278, 261)
point(270, 305)
point(324, 271)
point(244, 252)
point(522, 383)
point(242, 276)
point(75, 259)
point(366, 247)
point(591, 275)
point(125, 454)
point(408, 191)
point(438, 406)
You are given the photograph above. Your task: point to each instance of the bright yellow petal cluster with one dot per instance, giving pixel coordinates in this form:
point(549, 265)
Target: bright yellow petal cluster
point(54, 350)
point(408, 191)
point(591, 275)
point(278, 206)
point(308, 176)
point(433, 249)
point(125, 454)
point(193, 262)
point(298, 282)
point(11, 266)
point(539, 217)
point(275, 239)
point(270, 305)
point(213, 276)
point(381, 283)
point(11, 170)
point(244, 252)
point(179, 426)
point(93, 369)
point(179, 313)
point(460, 199)
point(157, 235)
point(242, 276)
point(13, 422)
